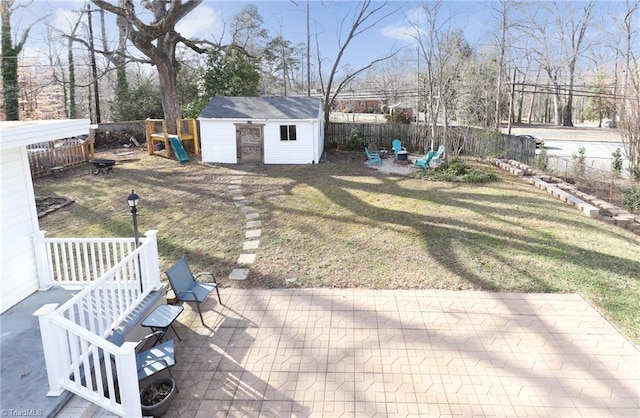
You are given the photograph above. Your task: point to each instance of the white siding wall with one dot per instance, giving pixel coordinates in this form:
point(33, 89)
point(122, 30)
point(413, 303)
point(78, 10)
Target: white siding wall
point(218, 141)
point(218, 138)
point(19, 220)
point(300, 151)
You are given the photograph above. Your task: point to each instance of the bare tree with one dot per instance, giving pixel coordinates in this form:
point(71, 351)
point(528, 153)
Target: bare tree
point(393, 79)
point(559, 30)
point(443, 53)
point(629, 106)
point(505, 24)
point(365, 17)
point(158, 41)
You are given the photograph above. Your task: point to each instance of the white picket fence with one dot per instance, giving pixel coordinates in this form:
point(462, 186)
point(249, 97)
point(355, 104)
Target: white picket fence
point(117, 278)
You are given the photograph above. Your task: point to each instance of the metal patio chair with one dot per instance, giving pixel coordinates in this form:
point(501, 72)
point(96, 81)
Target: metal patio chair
point(185, 286)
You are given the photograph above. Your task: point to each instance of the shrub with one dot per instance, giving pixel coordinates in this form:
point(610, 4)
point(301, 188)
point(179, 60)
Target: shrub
point(541, 161)
point(616, 164)
point(578, 164)
point(399, 116)
point(631, 198)
point(479, 176)
point(357, 141)
point(456, 170)
point(455, 167)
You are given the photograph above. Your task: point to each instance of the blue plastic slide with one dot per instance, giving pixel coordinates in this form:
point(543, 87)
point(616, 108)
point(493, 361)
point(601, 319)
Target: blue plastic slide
point(178, 149)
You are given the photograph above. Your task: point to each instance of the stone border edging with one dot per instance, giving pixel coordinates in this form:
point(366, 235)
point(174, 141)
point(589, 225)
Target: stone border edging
point(587, 204)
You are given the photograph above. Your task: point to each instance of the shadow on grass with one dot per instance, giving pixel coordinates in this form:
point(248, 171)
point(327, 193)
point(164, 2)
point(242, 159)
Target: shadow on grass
point(501, 236)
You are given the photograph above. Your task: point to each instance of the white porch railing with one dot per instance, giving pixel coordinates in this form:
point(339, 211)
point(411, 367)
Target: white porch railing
point(78, 262)
point(77, 355)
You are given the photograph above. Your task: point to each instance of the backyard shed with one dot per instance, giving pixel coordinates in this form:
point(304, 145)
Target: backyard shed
point(270, 130)
point(19, 214)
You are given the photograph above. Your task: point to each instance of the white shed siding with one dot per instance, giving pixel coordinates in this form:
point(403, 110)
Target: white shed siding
point(19, 221)
point(218, 138)
point(300, 151)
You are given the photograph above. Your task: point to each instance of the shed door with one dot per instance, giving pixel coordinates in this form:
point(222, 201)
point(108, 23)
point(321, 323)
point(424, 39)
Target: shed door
point(250, 140)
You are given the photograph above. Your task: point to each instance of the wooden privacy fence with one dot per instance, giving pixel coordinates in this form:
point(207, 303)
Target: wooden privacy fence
point(50, 156)
point(461, 140)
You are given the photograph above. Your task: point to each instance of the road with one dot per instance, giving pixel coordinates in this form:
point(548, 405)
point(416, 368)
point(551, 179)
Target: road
point(562, 143)
point(597, 154)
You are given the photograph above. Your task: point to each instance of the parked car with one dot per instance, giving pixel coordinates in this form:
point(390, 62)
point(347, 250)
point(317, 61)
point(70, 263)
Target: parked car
point(608, 123)
point(537, 140)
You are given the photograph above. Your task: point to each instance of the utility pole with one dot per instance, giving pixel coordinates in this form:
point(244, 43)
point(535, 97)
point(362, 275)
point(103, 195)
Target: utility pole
point(308, 53)
point(513, 92)
point(94, 69)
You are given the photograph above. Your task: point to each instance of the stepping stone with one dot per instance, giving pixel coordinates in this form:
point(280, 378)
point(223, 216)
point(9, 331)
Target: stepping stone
point(251, 216)
point(239, 197)
point(236, 181)
point(235, 191)
point(251, 245)
point(254, 224)
point(246, 258)
point(242, 202)
point(234, 187)
point(246, 209)
point(239, 274)
point(253, 233)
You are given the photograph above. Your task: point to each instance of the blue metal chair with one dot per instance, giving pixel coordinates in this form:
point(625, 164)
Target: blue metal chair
point(374, 157)
point(185, 286)
point(396, 144)
point(153, 360)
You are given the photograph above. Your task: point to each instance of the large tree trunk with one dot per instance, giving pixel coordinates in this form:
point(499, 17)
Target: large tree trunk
point(169, 92)
point(568, 112)
point(163, 53)
point(168, 68)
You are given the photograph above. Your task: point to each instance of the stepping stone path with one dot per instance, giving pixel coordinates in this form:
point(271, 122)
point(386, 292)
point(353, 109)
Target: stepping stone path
point(252, 233)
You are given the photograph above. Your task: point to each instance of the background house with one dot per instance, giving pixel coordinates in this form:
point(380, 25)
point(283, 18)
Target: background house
point(271, 130)
point(19, 213)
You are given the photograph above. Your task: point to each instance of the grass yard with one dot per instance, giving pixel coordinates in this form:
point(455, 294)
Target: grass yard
point(340, 224)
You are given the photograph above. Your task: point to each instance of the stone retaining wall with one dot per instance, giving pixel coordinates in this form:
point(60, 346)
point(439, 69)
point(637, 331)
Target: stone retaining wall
point(587, 204)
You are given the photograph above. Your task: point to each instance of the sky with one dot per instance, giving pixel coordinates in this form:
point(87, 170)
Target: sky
point(330, 20)
point(288, 18)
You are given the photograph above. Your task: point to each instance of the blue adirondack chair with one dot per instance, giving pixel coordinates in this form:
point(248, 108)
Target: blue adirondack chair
point(374, 157)
point(424, 161)
point(438, 154)
point(396, 144)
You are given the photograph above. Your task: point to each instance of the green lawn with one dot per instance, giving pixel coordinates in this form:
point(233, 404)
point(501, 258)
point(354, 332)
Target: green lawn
point(340, 224)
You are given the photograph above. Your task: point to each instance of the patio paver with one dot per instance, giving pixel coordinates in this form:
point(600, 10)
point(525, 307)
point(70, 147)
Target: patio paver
point(352, 352)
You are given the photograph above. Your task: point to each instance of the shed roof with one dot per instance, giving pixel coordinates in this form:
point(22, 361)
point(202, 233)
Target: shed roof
point(261, 108)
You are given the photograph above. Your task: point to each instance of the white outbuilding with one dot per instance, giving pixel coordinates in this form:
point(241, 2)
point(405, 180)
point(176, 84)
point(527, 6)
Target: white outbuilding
point(269, 130)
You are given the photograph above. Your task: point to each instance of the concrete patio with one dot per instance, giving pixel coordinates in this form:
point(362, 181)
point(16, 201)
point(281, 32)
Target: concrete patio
point(427, 353)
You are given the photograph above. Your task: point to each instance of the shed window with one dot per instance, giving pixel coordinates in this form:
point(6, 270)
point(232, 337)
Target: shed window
point(287, 132)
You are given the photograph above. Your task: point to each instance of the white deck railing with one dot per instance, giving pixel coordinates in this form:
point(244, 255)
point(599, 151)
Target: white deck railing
point(77, 355)
point(78, 262)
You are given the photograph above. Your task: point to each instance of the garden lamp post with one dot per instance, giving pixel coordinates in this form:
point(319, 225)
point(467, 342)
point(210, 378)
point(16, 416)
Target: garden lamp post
point(133, 200)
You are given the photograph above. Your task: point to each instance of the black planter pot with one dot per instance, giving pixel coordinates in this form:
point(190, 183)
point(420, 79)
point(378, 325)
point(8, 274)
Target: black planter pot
point(159, 409)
